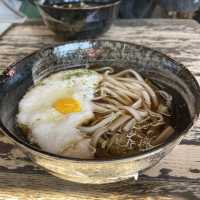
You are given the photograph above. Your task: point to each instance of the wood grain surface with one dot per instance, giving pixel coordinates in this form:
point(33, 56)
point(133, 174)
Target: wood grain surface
point(176, 177)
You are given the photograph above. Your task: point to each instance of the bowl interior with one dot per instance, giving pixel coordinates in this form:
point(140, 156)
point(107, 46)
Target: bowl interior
point(160, 69)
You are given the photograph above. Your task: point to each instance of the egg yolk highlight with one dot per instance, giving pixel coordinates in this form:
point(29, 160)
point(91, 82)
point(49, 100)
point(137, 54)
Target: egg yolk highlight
point(67, 105)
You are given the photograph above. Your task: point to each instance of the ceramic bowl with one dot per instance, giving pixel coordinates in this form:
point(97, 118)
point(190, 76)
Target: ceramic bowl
point(170, 75)
point(76, 22)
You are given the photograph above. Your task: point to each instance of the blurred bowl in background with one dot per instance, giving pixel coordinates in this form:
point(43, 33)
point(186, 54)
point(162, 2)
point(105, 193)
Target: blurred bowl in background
point(78, 19)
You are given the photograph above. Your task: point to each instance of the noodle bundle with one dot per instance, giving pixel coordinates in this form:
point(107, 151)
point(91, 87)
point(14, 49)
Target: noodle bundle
point(130, 115)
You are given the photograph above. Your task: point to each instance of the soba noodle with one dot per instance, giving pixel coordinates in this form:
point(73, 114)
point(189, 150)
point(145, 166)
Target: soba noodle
point(130, 116)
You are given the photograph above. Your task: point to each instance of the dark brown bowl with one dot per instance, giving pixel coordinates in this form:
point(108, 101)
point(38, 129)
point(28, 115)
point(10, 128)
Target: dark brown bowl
point(170, 75)
point(78, 23)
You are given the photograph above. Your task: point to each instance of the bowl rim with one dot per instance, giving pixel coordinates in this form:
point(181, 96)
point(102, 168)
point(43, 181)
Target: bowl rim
point(106, 5)
point(137, 156)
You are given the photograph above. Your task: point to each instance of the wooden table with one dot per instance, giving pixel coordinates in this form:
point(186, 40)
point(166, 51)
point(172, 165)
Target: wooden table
point(176, 177)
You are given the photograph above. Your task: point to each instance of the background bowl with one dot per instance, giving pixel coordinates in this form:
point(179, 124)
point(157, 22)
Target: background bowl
point(171, 76)
point(78, 23)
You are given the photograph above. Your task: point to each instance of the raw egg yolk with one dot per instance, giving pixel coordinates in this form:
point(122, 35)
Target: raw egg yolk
point(67, 105)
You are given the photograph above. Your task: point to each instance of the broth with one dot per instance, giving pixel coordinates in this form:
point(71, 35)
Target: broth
point(130, 114)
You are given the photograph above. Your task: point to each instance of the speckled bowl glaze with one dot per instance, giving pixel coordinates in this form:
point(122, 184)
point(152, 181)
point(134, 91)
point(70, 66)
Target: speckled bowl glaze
point(78, 23)
point(168, 74)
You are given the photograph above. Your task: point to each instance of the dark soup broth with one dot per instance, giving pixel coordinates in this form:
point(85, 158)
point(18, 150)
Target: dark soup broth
point(131, 113)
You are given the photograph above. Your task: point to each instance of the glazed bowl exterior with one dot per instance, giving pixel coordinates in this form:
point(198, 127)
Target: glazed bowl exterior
point(78, 23)
point(174, 77)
